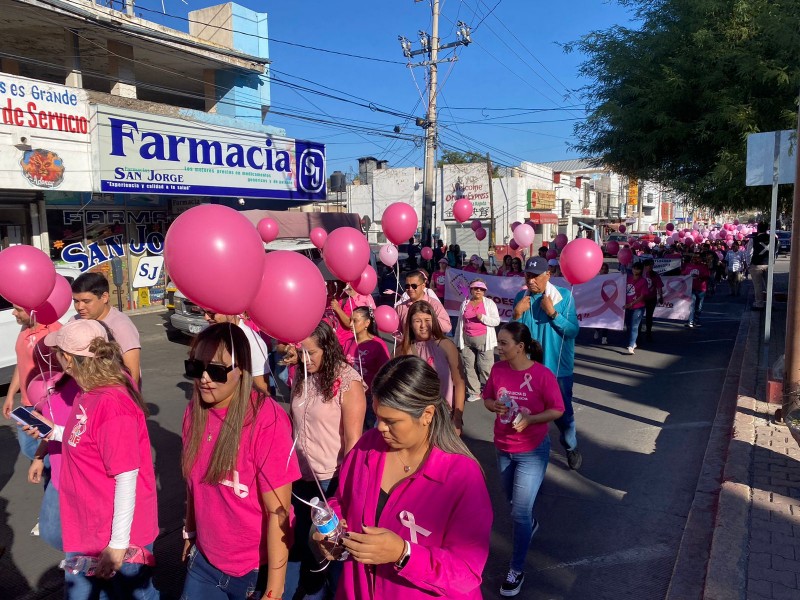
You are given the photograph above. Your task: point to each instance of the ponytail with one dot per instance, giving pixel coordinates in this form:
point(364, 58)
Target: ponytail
point(520, 333)
point(367, 313)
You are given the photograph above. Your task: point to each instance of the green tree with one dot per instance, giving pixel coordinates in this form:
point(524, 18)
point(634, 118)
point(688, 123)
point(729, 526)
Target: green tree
point(453, 157)
point(674, 99)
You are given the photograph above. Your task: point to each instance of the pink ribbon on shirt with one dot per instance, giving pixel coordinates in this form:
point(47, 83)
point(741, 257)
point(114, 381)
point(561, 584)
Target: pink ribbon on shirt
point(407, 519)
point(527, 382)
point(239, 489)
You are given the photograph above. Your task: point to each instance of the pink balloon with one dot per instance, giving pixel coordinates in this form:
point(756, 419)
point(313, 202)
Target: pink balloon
point(624, 256)
point(215, 257)
point(513, 245)
point(561, 241)
point(27, 276)
point(291, 297)
point(670, 227)
point(736, 221)
point(462, 210)
point(56, 305)
point(366, 283)
point(681, 234)
point(514, 225)
point(480, 234)
point(267, 229)
point(318, 236)
point(651, 229)
point(632, 240)
point(476, 224)
point(739, 237)
point(386, 319)
point(399, 222)
point(388, 254)
point(623, 228)
point(426, 253)
point(346, 253)
point(524, 235)
point(651, 245)
point(551, 254)
point(40, 387)
point(580, 260)
point(657, 240)
point(612, 247)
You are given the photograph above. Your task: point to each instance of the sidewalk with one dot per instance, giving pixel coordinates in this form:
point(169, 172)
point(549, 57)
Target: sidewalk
point(755, 546)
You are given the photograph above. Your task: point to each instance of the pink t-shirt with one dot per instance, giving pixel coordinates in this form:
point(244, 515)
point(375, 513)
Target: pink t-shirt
point(699, 274)
point(439, 281)
point(349, 304)
point(105, 435)
point(654, 284)
point(367, 357)
point(124, 330)
point(535, 390)
point(473, 327)
point(230, 519)
point(636, 288)
point(33, 357)
point(470, 268)
point(515, 274)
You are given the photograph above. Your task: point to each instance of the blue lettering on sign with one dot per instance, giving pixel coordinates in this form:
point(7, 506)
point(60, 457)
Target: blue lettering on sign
point(84, 258)
point(144, 271)
point(310, 167)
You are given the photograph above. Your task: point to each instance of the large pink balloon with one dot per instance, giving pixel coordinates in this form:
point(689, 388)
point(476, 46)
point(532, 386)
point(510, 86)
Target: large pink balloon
point(561, 241)
point(580, 260)
point(291, 297)
point(267, 229)
point(462, 210)
point(623, 228)
point(670, 227)
point(215, 257)
point(399, 222)
point(386, 319)
point(480, 234)
point(426, 253)
point(524, 235)
point(318, 236)
point(476, 224)
point(388, 254)
point(366, 283)
point(612, 247)
point(27, 276)
point(624, 256)
point(551, 254)
point(56, 305)
point(346, 253)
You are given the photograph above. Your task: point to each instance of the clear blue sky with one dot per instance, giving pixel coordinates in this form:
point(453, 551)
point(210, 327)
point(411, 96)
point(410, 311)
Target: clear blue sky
point(515, 61)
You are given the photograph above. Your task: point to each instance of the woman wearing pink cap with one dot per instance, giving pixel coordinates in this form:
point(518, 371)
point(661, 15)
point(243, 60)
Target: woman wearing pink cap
point(412, 497)
point(107, 484)
point(475, 337)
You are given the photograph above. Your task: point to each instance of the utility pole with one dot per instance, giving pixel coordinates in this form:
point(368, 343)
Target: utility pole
point(430, 47)
point(491, 202)
point(791, 372)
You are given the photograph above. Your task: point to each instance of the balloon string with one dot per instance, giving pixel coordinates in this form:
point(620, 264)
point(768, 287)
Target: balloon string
point(305, 397)
point(355, 337)
point(397, 297)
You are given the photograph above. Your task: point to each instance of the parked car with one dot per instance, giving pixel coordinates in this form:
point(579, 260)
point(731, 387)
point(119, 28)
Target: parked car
point(9, 329)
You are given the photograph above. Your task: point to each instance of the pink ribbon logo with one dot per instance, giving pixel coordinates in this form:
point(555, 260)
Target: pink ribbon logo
point(676, 288)
point(407, 519)
point(527, 382)
point(609, 300)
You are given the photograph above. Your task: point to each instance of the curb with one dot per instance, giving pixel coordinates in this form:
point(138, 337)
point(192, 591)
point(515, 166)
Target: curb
point(692, 566)
point(145, 311)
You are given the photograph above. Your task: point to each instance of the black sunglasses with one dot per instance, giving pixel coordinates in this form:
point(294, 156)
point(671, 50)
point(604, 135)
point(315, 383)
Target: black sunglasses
point(412, 286)
point(217, 373)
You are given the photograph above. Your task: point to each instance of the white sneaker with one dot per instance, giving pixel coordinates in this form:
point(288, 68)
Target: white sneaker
point(634, 346)
point(473, 398)
point(35, 530)
point(630, 349)
point(604, 341)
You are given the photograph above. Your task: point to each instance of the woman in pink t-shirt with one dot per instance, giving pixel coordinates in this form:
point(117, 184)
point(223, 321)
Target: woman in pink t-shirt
point(635, 295)
point(344, 310)
point(516, 268)
point(239, 470)
point(439, 279)
point(367, 353)
point(505, 267)
point(413, 498)
point(521, 384)
point(107, 484)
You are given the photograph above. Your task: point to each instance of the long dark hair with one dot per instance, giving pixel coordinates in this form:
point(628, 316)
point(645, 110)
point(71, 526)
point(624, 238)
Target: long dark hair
point(409, 384)
point(208, 344)
point(332, 360)
point(520, 333)
point(420, 306)
point(365, 312)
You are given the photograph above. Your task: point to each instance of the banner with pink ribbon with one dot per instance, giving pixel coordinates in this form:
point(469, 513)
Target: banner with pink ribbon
point(598, 303)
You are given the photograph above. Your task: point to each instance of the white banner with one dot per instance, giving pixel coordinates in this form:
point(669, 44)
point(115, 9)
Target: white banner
point(469, 181)
point(598, 303)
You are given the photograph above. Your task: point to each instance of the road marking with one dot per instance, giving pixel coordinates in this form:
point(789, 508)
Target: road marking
point(623, 557)
point(700, 371)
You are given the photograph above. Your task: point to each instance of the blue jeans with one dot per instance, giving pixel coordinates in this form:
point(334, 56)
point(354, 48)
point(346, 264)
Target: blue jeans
point(205, 581)
point(696, 306)
point(566, 422)
point(521, 474)
point(131, 581)
point(50, 518)
point(633, 318)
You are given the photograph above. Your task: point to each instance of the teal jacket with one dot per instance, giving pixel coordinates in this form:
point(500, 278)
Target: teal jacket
point(557, 336)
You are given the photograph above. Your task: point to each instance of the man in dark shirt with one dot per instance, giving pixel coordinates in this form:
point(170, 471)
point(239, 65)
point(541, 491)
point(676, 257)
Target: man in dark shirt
point(758, 250)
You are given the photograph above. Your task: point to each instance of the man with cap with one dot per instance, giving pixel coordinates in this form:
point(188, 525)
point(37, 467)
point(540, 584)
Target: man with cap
point(549, 313)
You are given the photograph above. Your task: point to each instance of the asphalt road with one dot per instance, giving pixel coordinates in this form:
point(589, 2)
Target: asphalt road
point(610, 531)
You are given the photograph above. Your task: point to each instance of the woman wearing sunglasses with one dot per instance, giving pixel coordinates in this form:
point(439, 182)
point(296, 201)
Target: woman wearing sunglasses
point(423, 337)
point(107, 487)
point(328, 408)
point(236, 460)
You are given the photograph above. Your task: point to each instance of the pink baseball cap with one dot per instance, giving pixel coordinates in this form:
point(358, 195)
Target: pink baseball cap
point(478, 284)
point(76, 336)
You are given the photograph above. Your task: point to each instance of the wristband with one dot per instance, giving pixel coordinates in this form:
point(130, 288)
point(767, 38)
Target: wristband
point(189, 535)
point(404, 558)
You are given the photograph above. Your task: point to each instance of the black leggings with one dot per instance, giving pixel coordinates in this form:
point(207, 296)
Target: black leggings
point(649, 309)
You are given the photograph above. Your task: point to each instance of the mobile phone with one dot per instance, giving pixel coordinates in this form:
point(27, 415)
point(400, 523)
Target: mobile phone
point(23, 417)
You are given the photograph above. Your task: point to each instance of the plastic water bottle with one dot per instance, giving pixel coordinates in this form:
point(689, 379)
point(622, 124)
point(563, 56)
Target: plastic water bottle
point(326, 521)
point(513, 408)
point(80, 565)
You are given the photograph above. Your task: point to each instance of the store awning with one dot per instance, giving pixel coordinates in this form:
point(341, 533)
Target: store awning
point(543, 218)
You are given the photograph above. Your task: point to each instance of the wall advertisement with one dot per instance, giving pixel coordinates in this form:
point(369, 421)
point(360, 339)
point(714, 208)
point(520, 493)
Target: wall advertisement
point(470, 181)
point(143, 153)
